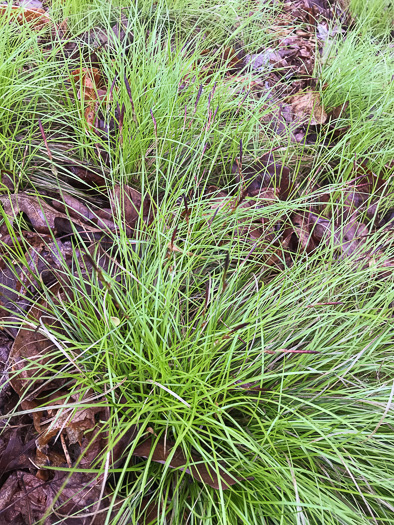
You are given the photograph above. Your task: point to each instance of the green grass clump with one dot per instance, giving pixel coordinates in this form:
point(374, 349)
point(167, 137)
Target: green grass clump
point(268, 362)
point(378, 15)
point(208, 367)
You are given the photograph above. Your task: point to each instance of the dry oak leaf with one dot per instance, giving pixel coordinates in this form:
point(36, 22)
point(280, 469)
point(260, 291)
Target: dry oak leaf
point(162, 451)
point(23, 499)
point(38, 18)
point(26, 499)
point(307, 108)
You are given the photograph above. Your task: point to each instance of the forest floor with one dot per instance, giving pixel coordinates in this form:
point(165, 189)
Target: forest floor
point(196, 286)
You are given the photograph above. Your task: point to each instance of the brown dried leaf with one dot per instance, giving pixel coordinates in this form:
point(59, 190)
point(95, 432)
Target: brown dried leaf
point(30, 347)
point(75, 422)
point(38, 18)
point(25, 499)
point(6, 181)
point(14, 453)
point(307, 108)
point(164, 450)
point(40, 214)
point(127, 202)
point(88, 79)
point(150, 512)
point(302, 229)
point(74, 207)
point(21, 278)
point(350, 237)
point(265, 173)
point(339, 111)
point(81, 493)
point(90, 115)
point(87, 176)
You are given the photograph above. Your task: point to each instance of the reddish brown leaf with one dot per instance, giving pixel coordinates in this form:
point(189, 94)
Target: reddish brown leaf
point(38, 18)
point(31, 347)
point(127, 202)
point(88, 80)
point(164, 450)
point(266, 172)
point(40, 214)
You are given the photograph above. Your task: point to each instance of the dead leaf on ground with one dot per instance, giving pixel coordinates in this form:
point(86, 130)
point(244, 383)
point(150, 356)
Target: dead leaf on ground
point(150, 512)
point(5, 387)
point(307, 108)
point(32, 347)
point(73, 422)
point(88, 80)
point(22, 276)
point(86, 176)
point(15, 453)
point(162, 451)
point(350, 237)
point(126, 203)
point(7, 181)
point(37, 17)
point(40, 214)
point(302, 229)
point(26, 499)
point(266, 172)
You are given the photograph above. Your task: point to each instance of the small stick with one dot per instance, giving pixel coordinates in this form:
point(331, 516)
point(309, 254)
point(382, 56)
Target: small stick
point(66, 454)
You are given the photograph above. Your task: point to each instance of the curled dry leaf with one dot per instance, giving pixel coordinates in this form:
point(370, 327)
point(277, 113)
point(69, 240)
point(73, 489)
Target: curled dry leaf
point(77, 428)
point(162, 451)
point(88, 80)
point(74, 422)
